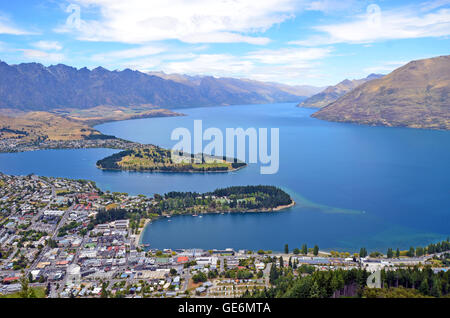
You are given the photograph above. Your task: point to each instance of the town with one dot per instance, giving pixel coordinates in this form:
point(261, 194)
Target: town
point(67, 238)
point(11, 145)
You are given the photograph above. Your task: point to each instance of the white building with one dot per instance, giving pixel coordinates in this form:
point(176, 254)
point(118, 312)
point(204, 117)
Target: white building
point(73, 275)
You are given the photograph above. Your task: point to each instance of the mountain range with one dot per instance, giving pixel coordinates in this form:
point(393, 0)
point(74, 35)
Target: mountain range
point(415, 95)
point(34, 87)
point(332, 93)
point(234, 84)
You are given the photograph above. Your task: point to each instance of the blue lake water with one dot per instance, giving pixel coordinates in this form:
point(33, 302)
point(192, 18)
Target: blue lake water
point(397, 178)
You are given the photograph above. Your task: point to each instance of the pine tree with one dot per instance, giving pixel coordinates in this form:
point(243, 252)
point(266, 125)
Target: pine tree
point(304, 249)
point(316, 250)
point(435, 287)
point(315, 291)
point(390, 253)
point(424, 288)
point(362, 252)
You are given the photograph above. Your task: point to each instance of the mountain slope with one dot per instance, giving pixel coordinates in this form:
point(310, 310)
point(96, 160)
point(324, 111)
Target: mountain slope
point(34, 87)
point(332, 93)
point(415, 95)
point(263, 88)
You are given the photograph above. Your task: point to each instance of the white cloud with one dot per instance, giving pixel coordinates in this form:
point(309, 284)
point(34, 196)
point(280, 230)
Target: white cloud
point(192, 21)
point(7, 27)
point(48, 45)
point(293, 56)
point(129, 53)
point(333, 5)
point(292, 65)
point(41, 56)
point(401, 23)
point(210, 64)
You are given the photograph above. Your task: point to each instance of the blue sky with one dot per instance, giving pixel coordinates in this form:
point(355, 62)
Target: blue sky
point(289, 41)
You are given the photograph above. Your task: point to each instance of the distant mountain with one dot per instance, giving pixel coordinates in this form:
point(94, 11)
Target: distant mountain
point(415, 95)
point(34, 87)
point(263, 88)
point(332, 93)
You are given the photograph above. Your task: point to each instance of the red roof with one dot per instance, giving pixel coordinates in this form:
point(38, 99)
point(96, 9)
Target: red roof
point(182, 259)
point(10, 279)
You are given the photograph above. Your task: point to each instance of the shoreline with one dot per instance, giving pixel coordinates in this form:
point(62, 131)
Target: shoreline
point(284, 207)
point(158, 170)
point(138, 238)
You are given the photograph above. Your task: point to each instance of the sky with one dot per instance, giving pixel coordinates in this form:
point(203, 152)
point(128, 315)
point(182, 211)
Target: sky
point(294, 42)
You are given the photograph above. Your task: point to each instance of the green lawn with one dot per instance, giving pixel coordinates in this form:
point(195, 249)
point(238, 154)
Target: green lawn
point(38, 291)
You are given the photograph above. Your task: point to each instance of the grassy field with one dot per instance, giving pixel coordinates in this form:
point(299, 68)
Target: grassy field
point(69, 124)
point(41, 126)
point(39, 292)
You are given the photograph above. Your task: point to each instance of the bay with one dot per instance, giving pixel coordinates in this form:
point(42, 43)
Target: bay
point(355, 186)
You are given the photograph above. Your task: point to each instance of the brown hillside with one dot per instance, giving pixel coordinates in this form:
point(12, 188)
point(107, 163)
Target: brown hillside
point(415, 95)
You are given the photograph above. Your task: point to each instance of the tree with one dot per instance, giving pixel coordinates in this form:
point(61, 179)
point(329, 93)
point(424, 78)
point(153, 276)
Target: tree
point(362, 252)
point(424, 288)
point(316, 250)
point(26, 291)
point(199, 277)
point(296, 251)
point(104, 293)
point(397, 253)
point(286, 249)
point(411, 252)
point(304, 249)
point(315, 291)
point(435, 288)
point(419, 251)
point(274, 274)
point(213, 274)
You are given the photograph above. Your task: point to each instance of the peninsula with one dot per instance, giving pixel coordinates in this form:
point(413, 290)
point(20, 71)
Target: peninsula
point(68, 129)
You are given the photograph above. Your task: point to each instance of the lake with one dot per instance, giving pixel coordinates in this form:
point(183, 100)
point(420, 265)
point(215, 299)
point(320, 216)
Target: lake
point(356, 186)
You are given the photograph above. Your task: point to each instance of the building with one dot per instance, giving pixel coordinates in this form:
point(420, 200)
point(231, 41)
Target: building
point(73, 275)
point(54, 213)
point(121, 224)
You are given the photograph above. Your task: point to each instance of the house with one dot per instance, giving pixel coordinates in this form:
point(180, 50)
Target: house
point(9, 280)
point(200, 290)
point(260, 266)
point(182, 259)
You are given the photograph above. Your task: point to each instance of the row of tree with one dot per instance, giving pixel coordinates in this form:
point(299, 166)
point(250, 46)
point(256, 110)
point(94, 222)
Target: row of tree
point(304, 250)
point(421, 282)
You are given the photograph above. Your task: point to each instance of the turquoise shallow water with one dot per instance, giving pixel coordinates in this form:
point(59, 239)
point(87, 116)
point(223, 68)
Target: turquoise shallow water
point(359, 186)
